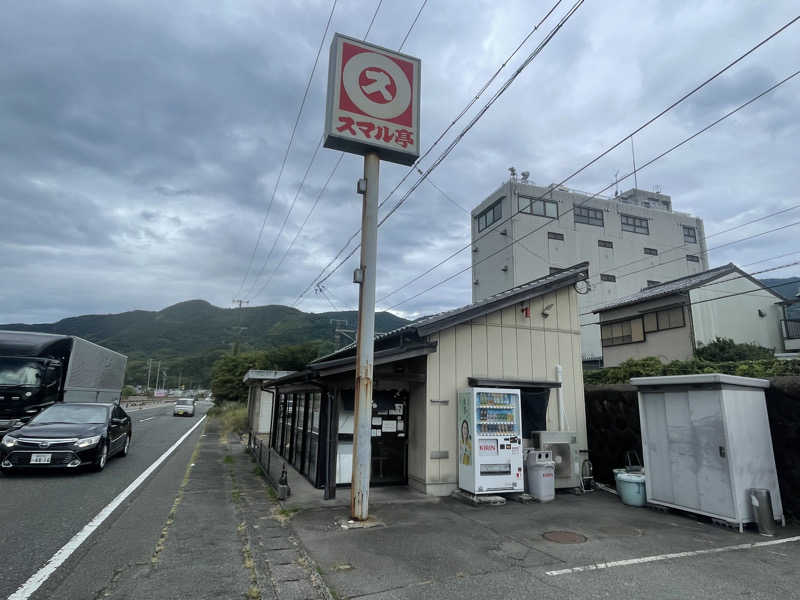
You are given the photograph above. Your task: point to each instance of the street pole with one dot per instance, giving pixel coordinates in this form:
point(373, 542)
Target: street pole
point(362, 440)
point(158, 373)
point(149, 364)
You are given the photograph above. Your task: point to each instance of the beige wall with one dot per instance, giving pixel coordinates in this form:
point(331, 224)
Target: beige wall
point(668, 345)
point(737, 317)
point(504, 344)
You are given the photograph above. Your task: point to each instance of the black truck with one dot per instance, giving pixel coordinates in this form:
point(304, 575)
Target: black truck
point(40, 369)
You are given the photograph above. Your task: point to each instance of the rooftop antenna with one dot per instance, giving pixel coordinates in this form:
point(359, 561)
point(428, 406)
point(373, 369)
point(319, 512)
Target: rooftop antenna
point(616, 183)
point(525, 175)
point(657, 188)
point(633, 154)
point(513, 172)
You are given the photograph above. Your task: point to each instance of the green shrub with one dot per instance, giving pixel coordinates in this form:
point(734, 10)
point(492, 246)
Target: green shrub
point(725, 349)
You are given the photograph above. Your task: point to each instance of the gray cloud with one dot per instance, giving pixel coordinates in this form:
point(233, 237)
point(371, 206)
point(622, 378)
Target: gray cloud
point(141, 142)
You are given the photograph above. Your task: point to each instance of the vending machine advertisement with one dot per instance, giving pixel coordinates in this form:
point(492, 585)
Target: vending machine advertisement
point(490, 441)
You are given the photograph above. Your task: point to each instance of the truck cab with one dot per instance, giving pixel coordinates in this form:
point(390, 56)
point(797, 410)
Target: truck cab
point(27, 385)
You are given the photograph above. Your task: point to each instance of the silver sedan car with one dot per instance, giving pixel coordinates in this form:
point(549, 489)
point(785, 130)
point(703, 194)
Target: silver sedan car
point(184, 407)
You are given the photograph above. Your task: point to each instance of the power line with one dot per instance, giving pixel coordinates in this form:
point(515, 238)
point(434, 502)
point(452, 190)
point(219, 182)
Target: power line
point(651, 161)
point(419, 12)
point(435, 143)
point(610, 149)
point(303, 181)
point(771, 287)
point(469, 125)
point(288, 148)
point(685, 244)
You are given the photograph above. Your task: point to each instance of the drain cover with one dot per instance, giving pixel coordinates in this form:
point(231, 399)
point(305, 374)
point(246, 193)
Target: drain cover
point(564, 537)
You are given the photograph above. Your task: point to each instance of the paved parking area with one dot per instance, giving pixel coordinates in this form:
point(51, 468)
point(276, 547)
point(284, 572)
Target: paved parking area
point(451, 550)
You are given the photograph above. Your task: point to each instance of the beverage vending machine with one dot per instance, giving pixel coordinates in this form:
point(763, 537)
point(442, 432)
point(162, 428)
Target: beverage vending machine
point(490, 441)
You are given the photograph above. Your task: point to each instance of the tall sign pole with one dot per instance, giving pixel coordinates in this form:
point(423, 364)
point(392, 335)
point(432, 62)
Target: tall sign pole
point(372, 110)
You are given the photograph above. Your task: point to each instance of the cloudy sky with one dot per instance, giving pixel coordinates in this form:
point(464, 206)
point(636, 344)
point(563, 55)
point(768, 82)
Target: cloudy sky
point(140, 141)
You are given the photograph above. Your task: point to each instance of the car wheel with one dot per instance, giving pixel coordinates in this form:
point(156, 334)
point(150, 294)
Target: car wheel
point(102, 458)
point(127, 446)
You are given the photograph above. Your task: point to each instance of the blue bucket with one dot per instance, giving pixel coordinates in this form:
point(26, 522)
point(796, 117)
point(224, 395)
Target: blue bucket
point(631, 489)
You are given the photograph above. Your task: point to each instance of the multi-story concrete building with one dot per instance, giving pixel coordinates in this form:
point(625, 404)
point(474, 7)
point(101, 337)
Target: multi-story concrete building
point(522, 231)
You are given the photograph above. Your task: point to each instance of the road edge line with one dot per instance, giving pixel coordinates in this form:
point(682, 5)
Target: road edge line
point(660, 557)
point(36, 580)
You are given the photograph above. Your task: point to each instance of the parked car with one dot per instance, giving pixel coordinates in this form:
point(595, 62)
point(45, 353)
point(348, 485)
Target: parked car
point(183, 407)
point(68, 435)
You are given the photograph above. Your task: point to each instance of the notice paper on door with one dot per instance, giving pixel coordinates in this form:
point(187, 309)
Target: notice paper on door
point(377, 421)
point(389, 426)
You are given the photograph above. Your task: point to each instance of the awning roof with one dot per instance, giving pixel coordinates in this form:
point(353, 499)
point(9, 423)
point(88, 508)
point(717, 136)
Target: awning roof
point(511, 383)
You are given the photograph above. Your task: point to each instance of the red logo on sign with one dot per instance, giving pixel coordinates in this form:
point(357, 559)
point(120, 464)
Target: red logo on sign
point(376, 85)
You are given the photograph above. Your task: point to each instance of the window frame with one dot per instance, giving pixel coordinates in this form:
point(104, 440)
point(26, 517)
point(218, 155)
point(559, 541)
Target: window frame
point(496, 212)
point(635, 224)
point(668, 311)
point(586, 215)
point(690, 239)
point(624, 338)
point(554, 235)
point(607, 277)
point(528, 207)
point(692, 258)
point(651, 251)
point(605, 244)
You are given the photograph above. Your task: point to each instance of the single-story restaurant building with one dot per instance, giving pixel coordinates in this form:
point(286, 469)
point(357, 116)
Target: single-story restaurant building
point(518, 339)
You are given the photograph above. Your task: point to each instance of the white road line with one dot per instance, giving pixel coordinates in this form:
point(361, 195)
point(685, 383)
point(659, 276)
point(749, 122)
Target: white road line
point(147, 419)
point(37, 579)
point(658, 557)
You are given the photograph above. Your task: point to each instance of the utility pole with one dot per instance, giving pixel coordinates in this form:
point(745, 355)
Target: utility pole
point(365, 349)
point(239, 327)
point(158, 373)
point(149, 364)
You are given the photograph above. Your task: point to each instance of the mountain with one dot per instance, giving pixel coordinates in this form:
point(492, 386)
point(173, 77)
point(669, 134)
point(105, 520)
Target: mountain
point(189, 336)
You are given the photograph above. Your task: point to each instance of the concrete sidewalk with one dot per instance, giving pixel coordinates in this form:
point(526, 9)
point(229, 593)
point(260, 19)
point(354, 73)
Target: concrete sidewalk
point(225, 537)
point(564, 549)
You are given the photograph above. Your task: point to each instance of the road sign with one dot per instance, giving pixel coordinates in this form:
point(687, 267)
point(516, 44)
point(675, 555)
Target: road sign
point(373, 101)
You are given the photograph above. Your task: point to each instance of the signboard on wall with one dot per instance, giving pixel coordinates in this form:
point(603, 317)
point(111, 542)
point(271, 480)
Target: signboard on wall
point(373, 101)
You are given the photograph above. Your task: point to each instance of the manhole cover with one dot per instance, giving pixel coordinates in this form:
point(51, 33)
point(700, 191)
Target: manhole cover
point(564, 537)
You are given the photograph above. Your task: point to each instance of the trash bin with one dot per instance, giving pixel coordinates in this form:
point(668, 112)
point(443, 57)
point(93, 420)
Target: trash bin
point(761, 501)
point(631, 489)
point(541, 477)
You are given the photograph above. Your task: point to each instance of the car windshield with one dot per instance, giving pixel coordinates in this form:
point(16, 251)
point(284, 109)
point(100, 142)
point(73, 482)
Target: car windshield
point(20, 371)
point(184, 402)
point(72, 413)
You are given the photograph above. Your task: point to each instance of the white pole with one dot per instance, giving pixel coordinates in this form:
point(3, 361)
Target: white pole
point(362, 438)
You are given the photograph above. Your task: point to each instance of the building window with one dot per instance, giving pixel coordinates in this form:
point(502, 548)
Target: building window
point(491, 215)
point(622, 332)
point(605, 244)
point(651, 251)
point(605, 277)
point(660, 320)
point(692, 258)
point(652, 282)
point(538, 207)
point(635, 224)
point(552, 235)
point(588, 216)
point(689, 235)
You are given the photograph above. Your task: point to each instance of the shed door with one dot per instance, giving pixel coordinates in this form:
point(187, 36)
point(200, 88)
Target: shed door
point(659, 472)
point(713, 474)
point(682, 450)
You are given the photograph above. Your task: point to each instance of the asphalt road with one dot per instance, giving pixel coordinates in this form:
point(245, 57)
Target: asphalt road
point(42, 511)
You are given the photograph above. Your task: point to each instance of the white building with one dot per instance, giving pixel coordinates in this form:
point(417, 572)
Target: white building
point(522, 231)
point(670, 321)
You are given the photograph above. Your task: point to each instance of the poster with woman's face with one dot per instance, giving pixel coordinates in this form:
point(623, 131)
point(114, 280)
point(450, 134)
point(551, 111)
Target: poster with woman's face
point(465, 428)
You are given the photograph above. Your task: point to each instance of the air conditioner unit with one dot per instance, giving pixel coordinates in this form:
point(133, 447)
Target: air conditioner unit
point(566, 455)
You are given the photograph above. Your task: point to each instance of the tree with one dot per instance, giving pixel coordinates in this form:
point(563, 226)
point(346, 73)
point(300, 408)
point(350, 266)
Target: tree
point(725, 349)
point(228, 371)
point(128, 391)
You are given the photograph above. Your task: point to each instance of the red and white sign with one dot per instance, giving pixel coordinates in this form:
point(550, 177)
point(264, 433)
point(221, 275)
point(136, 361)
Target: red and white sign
point(373, 101)
point(487, 447)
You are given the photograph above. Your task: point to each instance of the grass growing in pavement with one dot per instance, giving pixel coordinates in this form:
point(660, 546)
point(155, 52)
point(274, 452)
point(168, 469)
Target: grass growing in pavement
point(228, 460)
point(231, 415)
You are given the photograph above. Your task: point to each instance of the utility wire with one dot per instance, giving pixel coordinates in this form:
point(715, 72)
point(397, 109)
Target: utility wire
point(302, 184)
point(771, 287)
point(288, 148)
point(651, 161)
point(469, 126)
point(685, 244)
point(419, 12)
point(623, 140)
point(603, 154)
point(435, 143)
